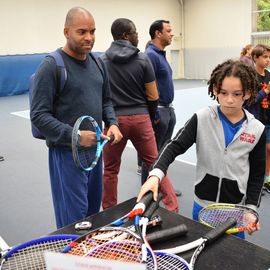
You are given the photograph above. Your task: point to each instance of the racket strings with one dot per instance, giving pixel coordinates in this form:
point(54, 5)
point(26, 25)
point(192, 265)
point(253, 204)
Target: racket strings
point(168, 261)
point(87, 155)
point(98, 238)
point(32, 257)
point(215, 217)
point(127, 251)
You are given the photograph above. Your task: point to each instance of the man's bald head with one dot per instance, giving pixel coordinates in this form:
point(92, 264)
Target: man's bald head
point(79, 31)
point(74, 12)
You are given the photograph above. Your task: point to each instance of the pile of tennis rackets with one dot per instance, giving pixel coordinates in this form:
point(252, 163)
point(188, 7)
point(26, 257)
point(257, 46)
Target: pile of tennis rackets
point(118, 242)
point(127, 244)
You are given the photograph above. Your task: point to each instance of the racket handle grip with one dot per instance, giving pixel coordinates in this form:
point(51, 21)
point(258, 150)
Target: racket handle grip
point(146, 199)
point(152, 207)
point(167, 234)
point(219, 230)
point(111, 138)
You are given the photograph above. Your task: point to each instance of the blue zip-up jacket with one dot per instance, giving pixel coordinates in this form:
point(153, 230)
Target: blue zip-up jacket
point(163, 74)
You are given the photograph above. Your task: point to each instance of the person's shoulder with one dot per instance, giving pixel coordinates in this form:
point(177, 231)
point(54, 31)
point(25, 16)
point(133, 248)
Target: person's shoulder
point(150, 50)
point(208, 110)
point(267, 72)
point(252, 120)
point(47, 65)
point(142, 56)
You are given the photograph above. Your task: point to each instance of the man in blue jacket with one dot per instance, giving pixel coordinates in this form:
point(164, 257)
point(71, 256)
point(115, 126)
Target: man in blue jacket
point(161, 36)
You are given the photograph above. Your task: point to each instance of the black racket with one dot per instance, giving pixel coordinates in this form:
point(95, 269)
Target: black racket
point(214, 214)
point(168, 261)
point(86, 158)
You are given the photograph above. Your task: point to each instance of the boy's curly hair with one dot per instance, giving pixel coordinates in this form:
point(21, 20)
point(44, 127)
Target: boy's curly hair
point(237, 69)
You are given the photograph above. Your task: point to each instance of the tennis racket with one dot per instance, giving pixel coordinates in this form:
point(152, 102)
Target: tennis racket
point(119, 243)
point(90, 243)
point(30, 255)
point(86, 158)
point(167, 260)
point(137, 210)
point(214, 214)
point(131, 249)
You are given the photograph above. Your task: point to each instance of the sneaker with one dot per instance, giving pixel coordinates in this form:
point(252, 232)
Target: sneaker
point(266, 187)
point(139, 170)
point(178, 193)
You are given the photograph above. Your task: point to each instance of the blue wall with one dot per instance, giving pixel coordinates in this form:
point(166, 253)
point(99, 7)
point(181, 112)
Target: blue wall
point(15, 71)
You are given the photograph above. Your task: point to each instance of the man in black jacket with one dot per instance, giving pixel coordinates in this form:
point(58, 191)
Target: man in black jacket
point(135, 99)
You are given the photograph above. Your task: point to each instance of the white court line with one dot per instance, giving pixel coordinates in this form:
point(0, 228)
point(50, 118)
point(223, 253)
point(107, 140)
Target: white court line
point(23, 114)
point(186, 102)
point(130, 145)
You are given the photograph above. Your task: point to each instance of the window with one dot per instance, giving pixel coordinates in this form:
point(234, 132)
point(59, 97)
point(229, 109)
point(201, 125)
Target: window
point(261, 22)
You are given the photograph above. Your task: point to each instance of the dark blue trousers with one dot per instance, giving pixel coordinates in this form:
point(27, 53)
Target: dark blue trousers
point(164, 129)
point(76, 194)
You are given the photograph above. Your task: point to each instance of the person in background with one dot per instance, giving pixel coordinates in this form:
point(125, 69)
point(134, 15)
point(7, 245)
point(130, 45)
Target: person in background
point(230, 144)
point(261, 107)
point(245, 55)
point(135, 98)
point(161, 36)
point(76, 194)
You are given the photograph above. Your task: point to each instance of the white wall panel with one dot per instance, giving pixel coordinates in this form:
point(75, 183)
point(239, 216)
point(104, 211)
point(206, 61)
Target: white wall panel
point(214, 30)
point(30, 26)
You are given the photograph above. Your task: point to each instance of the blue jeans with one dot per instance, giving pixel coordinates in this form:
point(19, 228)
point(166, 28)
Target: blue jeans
point(195, 215)
point(164, 129)
point(76, 194)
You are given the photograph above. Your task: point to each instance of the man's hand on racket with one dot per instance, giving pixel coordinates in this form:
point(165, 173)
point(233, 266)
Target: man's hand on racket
point(151, 184)
point(116, 134)
point(87, 138)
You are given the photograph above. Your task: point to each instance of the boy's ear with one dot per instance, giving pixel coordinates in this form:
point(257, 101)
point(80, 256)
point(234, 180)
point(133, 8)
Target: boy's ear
point(247, 95)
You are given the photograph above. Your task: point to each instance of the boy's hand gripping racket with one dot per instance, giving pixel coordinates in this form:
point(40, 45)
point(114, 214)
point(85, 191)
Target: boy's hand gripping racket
point(86, 158)
point(215, 214)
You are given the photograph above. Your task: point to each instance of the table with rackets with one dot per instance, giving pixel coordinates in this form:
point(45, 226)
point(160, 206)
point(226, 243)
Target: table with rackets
point(226, 253)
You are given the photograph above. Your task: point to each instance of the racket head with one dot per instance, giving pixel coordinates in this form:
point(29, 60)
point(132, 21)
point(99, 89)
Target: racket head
point(89, 242)
point(125, 251)
point(30, 255)
point(167, 261)
point(86, 158)
point(215, 214)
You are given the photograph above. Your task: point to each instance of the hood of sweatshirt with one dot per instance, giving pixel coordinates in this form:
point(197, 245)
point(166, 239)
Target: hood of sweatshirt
point(121, 51)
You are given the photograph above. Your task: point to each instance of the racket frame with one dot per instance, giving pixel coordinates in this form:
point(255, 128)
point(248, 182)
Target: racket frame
point(210, 236)
point(221, 206)
point(76, 142)
point(13, 252)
